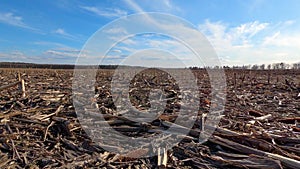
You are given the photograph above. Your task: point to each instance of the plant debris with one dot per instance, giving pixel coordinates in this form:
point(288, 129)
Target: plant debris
point(260, 127)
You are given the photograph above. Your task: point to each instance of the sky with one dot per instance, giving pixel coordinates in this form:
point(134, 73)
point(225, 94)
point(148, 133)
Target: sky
point(241, 32)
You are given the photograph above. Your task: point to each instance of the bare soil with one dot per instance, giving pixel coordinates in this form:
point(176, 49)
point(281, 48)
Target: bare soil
point(260, 126)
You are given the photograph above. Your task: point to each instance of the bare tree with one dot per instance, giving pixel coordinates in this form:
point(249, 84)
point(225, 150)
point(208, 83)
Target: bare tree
point(295, 66)
point(255, 67)
point(276, 65)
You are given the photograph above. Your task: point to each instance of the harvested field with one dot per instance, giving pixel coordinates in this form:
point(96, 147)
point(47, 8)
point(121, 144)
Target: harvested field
point(260, 127)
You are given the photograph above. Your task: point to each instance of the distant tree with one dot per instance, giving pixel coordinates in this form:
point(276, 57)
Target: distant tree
point(296, 66)
point(244, 67)
point(276, 65)
point(282, 65)
point(194, 68)
point(235, 67)
point(287, 66)
point(269, 66)
point(254, 67)
point(262, 67)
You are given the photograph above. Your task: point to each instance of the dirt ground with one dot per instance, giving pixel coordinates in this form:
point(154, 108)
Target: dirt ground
point(259, 128)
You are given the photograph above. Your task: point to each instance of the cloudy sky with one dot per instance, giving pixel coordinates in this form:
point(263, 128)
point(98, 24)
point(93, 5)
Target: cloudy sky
point(240, 31)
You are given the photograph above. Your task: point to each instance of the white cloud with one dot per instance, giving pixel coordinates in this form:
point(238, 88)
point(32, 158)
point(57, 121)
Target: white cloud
point(60, 31)
point(171, 6)
point(279, 39)
point(178, 54)
point(14, 20)
point(253, 42)
point(153, 5)
point(63, 33)
point(134, 6)
point(116, 30)
point(248, 30)
point(124, 49)
point(223, 36)
point(271, 40)
point(13, 55)
point(117, 33)
point(47, 43)
point(63, 52)
point(116, 51)
point(108, 12)
point(17, 56)
point(146, 18)
point(167, 3)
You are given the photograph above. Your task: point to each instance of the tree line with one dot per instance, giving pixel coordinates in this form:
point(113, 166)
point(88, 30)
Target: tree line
point(52, 66)
point(273, 66)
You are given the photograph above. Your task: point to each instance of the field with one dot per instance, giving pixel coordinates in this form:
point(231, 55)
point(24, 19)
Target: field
point(260, 126)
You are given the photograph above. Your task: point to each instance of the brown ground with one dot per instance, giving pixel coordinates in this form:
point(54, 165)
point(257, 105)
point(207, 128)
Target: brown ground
point(261, 121)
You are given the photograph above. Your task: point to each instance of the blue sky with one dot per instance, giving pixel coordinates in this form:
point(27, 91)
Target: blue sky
point(241, 31)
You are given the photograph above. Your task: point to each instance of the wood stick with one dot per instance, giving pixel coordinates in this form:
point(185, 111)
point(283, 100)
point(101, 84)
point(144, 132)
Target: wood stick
point(9, 115)
point(46, 132)
point(20, 104)
point(23, 88)
point(288, 162)
point(158, 157)
point(289, 120)
point(28, 120)
point(165, 158)
point(263, 118)
point(15, 151)
point(276, 137)
point(9, 85)
point(181, 129)
point(43, 117)
point(19, 76)
point(202, 122)
point(234, 76)
point(195, 133)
